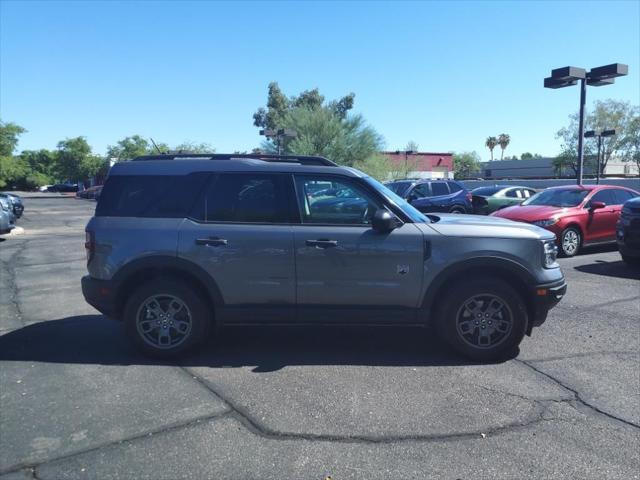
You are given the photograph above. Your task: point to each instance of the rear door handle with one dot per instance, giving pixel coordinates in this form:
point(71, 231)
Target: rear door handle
point(211, 241)
point(322, 243)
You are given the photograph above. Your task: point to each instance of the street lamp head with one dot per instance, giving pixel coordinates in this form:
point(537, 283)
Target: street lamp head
point(554, 83)
point(600, 82)
point(608, 133)
point(589, 134)
point(268, 133)
point(609, 71)
point(568, 73)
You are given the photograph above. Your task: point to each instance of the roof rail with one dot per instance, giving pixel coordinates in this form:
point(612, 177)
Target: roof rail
point(300, 159)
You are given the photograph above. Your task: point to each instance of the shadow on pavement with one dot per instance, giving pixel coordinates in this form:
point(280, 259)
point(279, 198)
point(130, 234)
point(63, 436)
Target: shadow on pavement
point(92, 339)
point(604, 248)
point(611, 269)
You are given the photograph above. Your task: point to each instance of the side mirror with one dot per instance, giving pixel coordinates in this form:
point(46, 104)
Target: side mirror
point(383, 221)
point(597, 205)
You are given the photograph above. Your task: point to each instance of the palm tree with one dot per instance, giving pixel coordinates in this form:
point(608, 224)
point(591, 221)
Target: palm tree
point(491, 144)
point(503, 141)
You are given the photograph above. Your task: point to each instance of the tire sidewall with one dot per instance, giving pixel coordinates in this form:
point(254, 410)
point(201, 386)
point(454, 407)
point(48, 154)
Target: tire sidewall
point(200, 317)
point(564, 232)
point(446, 319)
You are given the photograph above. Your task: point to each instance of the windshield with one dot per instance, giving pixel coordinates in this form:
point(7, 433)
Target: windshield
point(398, 187)
point(485, 191)
point(558, 198)
point(411, 212)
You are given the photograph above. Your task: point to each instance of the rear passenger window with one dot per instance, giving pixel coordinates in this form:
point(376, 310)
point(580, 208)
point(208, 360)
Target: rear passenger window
point(513, 193)
point(622, 196)
point(246, 198)
point(156, 196)
point(454, 187)
point(439, 188)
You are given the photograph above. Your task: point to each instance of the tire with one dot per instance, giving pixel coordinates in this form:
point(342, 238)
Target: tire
point(631, 261)
point(467, 334)
point(457, 210)
point(570, 241)
point(185, 330)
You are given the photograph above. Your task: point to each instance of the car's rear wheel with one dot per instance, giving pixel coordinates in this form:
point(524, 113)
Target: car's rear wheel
point(570, 241)
point(483, 319)
point(457, 210)
point(165, 318)
point(631, 261)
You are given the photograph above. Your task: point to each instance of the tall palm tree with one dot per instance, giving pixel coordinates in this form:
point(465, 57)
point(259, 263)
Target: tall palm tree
point(491, 144)
point(503, 141)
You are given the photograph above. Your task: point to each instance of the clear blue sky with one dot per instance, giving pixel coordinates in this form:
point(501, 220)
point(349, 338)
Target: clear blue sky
point(446, 75)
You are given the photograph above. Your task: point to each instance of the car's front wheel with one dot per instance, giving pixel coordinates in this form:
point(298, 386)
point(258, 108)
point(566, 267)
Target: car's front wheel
point(570, 241)
point(165, 318)
point(483, 319)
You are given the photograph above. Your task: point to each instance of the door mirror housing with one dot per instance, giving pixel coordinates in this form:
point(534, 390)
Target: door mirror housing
point(383, 221)
point(597, 205)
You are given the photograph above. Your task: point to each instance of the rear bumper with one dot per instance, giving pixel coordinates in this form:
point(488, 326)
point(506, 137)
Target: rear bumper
point(100, 294)
point(545, 297)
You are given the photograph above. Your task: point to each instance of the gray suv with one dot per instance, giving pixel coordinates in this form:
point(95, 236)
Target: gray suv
point(181, 244)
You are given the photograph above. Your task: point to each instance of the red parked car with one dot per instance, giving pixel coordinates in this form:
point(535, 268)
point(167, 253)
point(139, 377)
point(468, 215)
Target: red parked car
point(579, 215)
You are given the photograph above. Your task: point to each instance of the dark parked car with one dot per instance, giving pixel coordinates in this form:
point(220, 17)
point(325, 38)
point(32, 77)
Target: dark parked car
point(63, 187)
point(434, 195)
point(628, 232)
point(7, 217)
point(15, 201)
point(487, 200)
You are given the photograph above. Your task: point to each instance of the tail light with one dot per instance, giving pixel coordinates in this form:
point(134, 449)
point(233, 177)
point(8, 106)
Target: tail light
point(89, 244)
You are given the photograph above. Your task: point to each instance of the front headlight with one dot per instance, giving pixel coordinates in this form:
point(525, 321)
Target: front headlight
point(550, 253)
point(545, 223)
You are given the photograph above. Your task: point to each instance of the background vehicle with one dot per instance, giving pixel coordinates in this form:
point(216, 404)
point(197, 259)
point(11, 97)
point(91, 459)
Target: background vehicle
point(242, 240)
point(16, 203)
point(487, 200)
point(579, 214)
point(7, 217)
point(434, 195)
point(628, 231)
point(63, 187)
point(91, 193)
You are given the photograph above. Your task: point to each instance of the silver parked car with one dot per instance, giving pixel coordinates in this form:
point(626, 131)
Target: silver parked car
point(7, 217)
point(180, 243)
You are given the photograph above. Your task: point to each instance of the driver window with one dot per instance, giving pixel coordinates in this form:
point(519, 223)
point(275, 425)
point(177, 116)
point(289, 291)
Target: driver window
point(342, 203)
point(512, 193)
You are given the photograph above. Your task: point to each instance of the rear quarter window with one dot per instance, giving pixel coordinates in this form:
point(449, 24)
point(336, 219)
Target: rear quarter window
point(155, 196)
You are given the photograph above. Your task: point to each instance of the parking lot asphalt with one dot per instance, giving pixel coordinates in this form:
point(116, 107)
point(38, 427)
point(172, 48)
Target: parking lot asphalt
point(76, 401)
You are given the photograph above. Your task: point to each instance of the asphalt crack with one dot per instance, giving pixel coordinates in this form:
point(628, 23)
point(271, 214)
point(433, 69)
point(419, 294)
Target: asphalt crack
point(578, 397)
point(10, 279)
point(254, 426)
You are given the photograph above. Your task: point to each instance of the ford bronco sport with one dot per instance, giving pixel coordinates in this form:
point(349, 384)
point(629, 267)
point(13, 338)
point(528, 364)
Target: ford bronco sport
point(182, 243)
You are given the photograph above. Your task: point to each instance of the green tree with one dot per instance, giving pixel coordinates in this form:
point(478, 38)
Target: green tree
point(75, 159)
point(412, 147)
point(129, 148)
point(631, 144)
point(606, 114)
point(376, 166)
point(529, 156)
point(491, 143)
point(503, 140)
point(192, 147)
point(465, 164)
point(9, 133)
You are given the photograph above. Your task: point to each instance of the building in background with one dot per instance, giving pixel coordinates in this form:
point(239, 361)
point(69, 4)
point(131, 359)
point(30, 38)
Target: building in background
point(421, 164)
point(544, 168)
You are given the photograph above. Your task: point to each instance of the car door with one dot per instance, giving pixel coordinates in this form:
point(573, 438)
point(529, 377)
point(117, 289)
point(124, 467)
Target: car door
point(347, 272)
point(601, 222)
point(441, 196)
point(241, 235)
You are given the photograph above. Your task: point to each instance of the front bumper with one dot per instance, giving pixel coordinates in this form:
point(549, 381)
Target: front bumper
point(545, 297)
point(100, 294)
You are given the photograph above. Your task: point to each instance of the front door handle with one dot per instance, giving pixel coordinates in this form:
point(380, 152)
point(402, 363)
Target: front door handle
point(322, 243)
point(211, 241)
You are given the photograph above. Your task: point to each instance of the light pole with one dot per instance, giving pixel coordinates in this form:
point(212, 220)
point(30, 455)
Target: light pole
point(596, 77)
point(280, 135)
point(593, 134)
